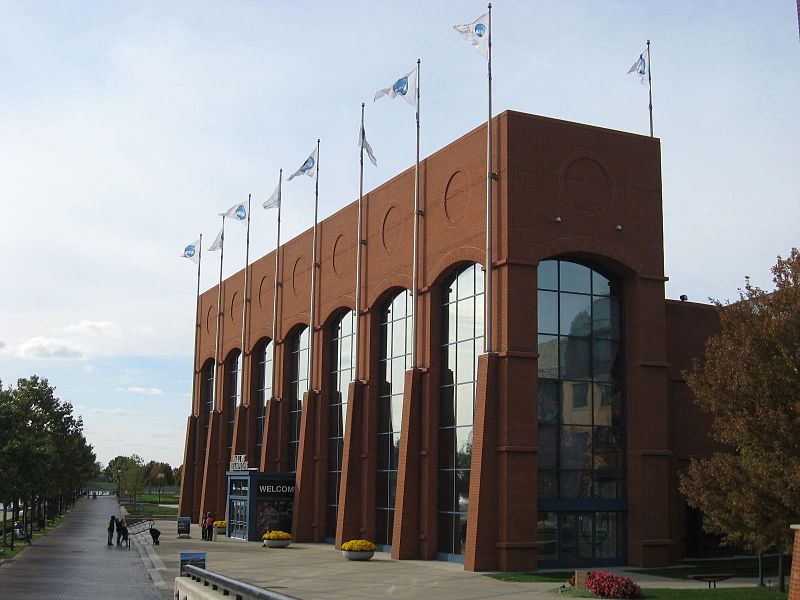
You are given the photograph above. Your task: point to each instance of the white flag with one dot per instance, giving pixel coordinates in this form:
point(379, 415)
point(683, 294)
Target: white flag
point(308, 168)
point(273, 201)
point(641, 68)
point(217, 245)
point(477, 34)
point(192, 252)
point(237, 212)
point(363, 143)
point(405, 87)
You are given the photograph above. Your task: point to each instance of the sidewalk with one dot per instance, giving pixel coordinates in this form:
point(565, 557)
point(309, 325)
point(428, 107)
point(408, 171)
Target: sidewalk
point(318, 571)
point(73, 562)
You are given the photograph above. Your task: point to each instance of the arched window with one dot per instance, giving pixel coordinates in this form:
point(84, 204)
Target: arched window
point(462, 342)
point(581, 417)
point(394, 359)
point(233, 392)
point(207, 393)
point(298, 385)
point(263, 356)
point(342, 364)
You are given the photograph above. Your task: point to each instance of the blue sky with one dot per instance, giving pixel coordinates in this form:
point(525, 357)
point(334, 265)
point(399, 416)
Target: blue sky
point(125, 127)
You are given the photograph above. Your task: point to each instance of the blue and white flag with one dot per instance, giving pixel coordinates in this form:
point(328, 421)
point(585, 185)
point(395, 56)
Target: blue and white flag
point(405, 87)
point(217, 245)
point(308, 168)
point(192, 252)
point(642, 69)
point(363, 143)
point(237, 212)
point(477, 34)
point(273, 201)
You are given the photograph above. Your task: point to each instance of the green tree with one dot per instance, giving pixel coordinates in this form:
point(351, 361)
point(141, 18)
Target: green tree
point(750, 383)
point(133, 478)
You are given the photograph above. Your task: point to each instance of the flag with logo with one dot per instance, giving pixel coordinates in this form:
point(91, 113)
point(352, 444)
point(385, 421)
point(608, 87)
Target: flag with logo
point(237, 212)
point(192, 252)
point(405, 87)
point(274, 201)
point(641, 68)
point(307, 168)
point(477, 34)
point(363, 143)
point(217, 245)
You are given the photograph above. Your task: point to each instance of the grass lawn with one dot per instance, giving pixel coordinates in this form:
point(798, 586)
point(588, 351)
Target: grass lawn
point(696, 594)
point(150, 509)
point(555, 576)
point(742, 567)
point(164, 499)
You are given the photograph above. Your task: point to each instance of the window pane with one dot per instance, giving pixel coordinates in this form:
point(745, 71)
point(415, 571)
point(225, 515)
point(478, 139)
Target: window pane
point(447, 487)
point(575, 277)
point(548, 356)
point(547, 274)
point(464, 404)
point(548, 401)
point(576, 358)
point(546, 536)
point(463, 447)
point(447, 410)
point(575, 484)
point(600, 284)
point(548, 484)
point(548, 312)
point(575, 409)
point(462, 489)
point(607, 360)
point(447, 448)
point(576, 447)
point(548, 447)
point(575, 316)
point(465, 362)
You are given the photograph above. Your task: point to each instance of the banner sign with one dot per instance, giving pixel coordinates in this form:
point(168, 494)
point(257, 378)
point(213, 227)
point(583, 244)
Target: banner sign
point(196, 559)
point(275, 488)
point(239, 463)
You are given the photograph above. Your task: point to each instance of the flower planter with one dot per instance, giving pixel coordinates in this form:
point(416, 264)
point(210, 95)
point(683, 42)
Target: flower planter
point(221, 530)
point(276, 543)
point(358, 554)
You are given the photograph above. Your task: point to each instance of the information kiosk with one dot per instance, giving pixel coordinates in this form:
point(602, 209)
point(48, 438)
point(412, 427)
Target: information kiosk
point(258, 502)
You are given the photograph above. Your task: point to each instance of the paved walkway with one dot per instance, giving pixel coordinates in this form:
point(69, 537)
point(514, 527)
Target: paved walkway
point(73, 562)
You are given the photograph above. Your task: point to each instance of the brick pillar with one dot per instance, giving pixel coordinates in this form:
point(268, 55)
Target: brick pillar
point(309, 495)
point(213, 496)
point(186, 505)
point(273, 448)
point(407, 527)
point(794, 576)
point(242, 432)
point(356, 515)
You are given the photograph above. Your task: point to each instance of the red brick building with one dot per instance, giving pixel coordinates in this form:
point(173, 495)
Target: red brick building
point(560, 448)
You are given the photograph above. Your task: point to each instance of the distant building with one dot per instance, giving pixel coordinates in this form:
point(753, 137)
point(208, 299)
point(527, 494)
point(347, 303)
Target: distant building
point(561, 448)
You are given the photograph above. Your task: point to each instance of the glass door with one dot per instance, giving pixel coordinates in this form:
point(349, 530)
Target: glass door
point(238, 519)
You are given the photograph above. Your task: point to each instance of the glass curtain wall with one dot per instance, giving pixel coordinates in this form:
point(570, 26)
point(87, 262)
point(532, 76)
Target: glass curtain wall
point(298, 385)
point(581, 417)
point(233, 393)
point(462, 342)
point(207, 394)
point(263, 387)
point(393, 360)
point(342, 364)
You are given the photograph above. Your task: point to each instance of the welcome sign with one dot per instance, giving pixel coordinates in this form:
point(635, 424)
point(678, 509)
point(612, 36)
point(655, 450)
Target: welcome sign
point(275, 488)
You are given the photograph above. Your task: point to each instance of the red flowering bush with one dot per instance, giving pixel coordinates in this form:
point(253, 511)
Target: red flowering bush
point(607, 585)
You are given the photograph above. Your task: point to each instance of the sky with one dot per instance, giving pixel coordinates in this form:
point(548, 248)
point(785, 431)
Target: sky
point(126, 127)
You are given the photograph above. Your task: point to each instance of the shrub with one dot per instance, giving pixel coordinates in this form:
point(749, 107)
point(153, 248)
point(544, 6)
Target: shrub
point(359, 546)
point(220, 523)
point(607, 585)
point(276, 535)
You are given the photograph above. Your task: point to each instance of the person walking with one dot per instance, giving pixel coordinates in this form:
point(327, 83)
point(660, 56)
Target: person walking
point(111, 526)
point(119, 532)
point(208, 527)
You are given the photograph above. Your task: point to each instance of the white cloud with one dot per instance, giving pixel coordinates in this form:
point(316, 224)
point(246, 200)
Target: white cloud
point(102, 328)
point(2, 344)
point(114, 411)
point(141, 390)
point(42, 348)
point(89, 368)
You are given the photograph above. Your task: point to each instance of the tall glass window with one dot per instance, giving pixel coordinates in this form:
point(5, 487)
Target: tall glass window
point(233, 392)
point(263, 386)
point(207, 394)
point(393, 360)
point(462, 342)
point(581, 413)
point(298, 385)
point(341, 374)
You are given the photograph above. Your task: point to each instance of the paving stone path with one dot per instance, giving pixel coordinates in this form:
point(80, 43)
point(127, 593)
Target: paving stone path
point(73, 561)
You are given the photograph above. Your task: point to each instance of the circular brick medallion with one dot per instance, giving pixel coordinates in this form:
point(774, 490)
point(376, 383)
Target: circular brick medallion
point(392, 231)
point(298, 274)
point(587, 184)
point(456, 197)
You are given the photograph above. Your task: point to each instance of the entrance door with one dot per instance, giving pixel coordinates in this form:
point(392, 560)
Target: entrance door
point(237, 516)
point(576, 539)
point(581, 539)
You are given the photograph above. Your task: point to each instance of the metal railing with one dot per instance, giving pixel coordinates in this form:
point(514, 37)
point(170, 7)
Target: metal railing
point(232, 587)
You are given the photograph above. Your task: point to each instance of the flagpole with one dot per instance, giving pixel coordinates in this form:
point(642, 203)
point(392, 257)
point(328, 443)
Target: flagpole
point(197, 313)
point(487, 340)
point(245, 302)
point(358, 250)
point(277, 285)
point(314, 267)
point(219, 311)
point(650, 86)
point(415, 258)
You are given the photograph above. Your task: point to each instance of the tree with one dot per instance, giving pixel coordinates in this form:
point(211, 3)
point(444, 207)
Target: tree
point(750, 383)
point(133, 479)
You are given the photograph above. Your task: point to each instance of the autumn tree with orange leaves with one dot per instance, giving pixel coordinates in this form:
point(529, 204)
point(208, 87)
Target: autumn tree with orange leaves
point(750, 382)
